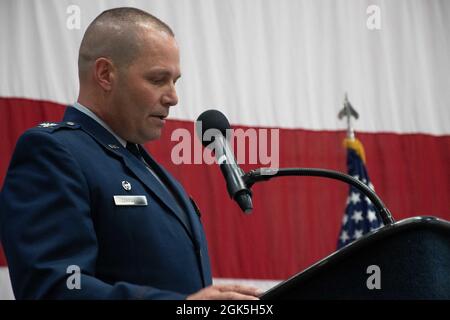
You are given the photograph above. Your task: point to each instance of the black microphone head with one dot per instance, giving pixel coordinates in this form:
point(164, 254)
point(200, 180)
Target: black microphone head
point(211, 119)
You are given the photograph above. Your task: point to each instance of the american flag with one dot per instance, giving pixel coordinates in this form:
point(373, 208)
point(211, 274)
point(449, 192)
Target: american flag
point(360, 215)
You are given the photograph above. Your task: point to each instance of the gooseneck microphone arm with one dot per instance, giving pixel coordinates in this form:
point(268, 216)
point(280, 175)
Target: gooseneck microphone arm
point(264, 174)
point(239, 183)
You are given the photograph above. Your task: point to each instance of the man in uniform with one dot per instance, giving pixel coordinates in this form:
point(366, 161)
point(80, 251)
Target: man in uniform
point(82, 198)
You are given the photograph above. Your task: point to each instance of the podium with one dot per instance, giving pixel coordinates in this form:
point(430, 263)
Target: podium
point(412, 257)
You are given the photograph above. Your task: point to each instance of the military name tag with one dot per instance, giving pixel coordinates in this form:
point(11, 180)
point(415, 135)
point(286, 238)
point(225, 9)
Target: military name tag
point(130, 200)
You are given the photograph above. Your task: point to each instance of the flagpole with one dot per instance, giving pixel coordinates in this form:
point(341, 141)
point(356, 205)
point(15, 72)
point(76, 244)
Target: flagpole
point(265, 174)
point(348, 112)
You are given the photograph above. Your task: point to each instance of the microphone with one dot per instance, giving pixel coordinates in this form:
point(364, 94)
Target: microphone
point(214, 125)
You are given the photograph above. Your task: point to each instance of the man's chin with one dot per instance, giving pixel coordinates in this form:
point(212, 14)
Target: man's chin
point(153, 136)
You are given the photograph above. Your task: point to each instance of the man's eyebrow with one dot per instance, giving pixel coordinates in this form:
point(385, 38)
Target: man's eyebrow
point(162, 73)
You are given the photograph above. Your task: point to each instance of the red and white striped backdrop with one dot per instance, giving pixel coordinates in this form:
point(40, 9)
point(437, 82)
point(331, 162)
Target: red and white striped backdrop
point(268, 64)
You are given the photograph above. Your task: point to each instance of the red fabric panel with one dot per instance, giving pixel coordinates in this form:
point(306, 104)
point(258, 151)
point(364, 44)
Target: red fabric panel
point(17, 115)
point(295, 221)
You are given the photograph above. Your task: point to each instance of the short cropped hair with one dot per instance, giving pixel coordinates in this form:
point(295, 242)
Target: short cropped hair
point(114, 34)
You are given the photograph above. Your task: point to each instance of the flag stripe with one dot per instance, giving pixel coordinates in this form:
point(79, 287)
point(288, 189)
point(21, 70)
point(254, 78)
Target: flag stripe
point(296, 221)
point(267, 63)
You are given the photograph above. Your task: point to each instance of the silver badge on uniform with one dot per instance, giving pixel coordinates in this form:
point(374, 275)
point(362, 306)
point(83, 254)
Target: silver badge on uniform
point(126, 185)
point(130, 200)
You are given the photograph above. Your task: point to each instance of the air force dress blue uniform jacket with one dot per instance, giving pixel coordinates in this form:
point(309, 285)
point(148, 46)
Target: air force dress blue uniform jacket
point(74, 197)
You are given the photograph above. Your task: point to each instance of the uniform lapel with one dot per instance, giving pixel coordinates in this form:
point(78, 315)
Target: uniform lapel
point(180, 193)
point(191, 213)
point(110, 143)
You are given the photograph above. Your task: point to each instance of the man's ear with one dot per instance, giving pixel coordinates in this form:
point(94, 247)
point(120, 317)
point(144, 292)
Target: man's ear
point(104, 73)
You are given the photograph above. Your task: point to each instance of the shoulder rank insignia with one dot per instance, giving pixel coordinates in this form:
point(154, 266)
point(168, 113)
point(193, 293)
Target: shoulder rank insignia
point(47, 124)
point(53, 126)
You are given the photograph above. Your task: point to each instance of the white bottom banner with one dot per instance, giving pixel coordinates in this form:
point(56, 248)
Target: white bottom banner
point(6, 292)
point(258, 283)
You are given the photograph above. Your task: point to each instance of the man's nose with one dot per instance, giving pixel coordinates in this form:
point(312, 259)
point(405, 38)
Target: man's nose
point(170, 98)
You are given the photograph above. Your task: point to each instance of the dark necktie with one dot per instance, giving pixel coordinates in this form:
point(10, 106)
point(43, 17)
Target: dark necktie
point(134, 149)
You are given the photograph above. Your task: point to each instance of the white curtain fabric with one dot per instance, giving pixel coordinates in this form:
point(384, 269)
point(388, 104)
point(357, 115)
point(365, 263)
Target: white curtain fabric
point(284, 63)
